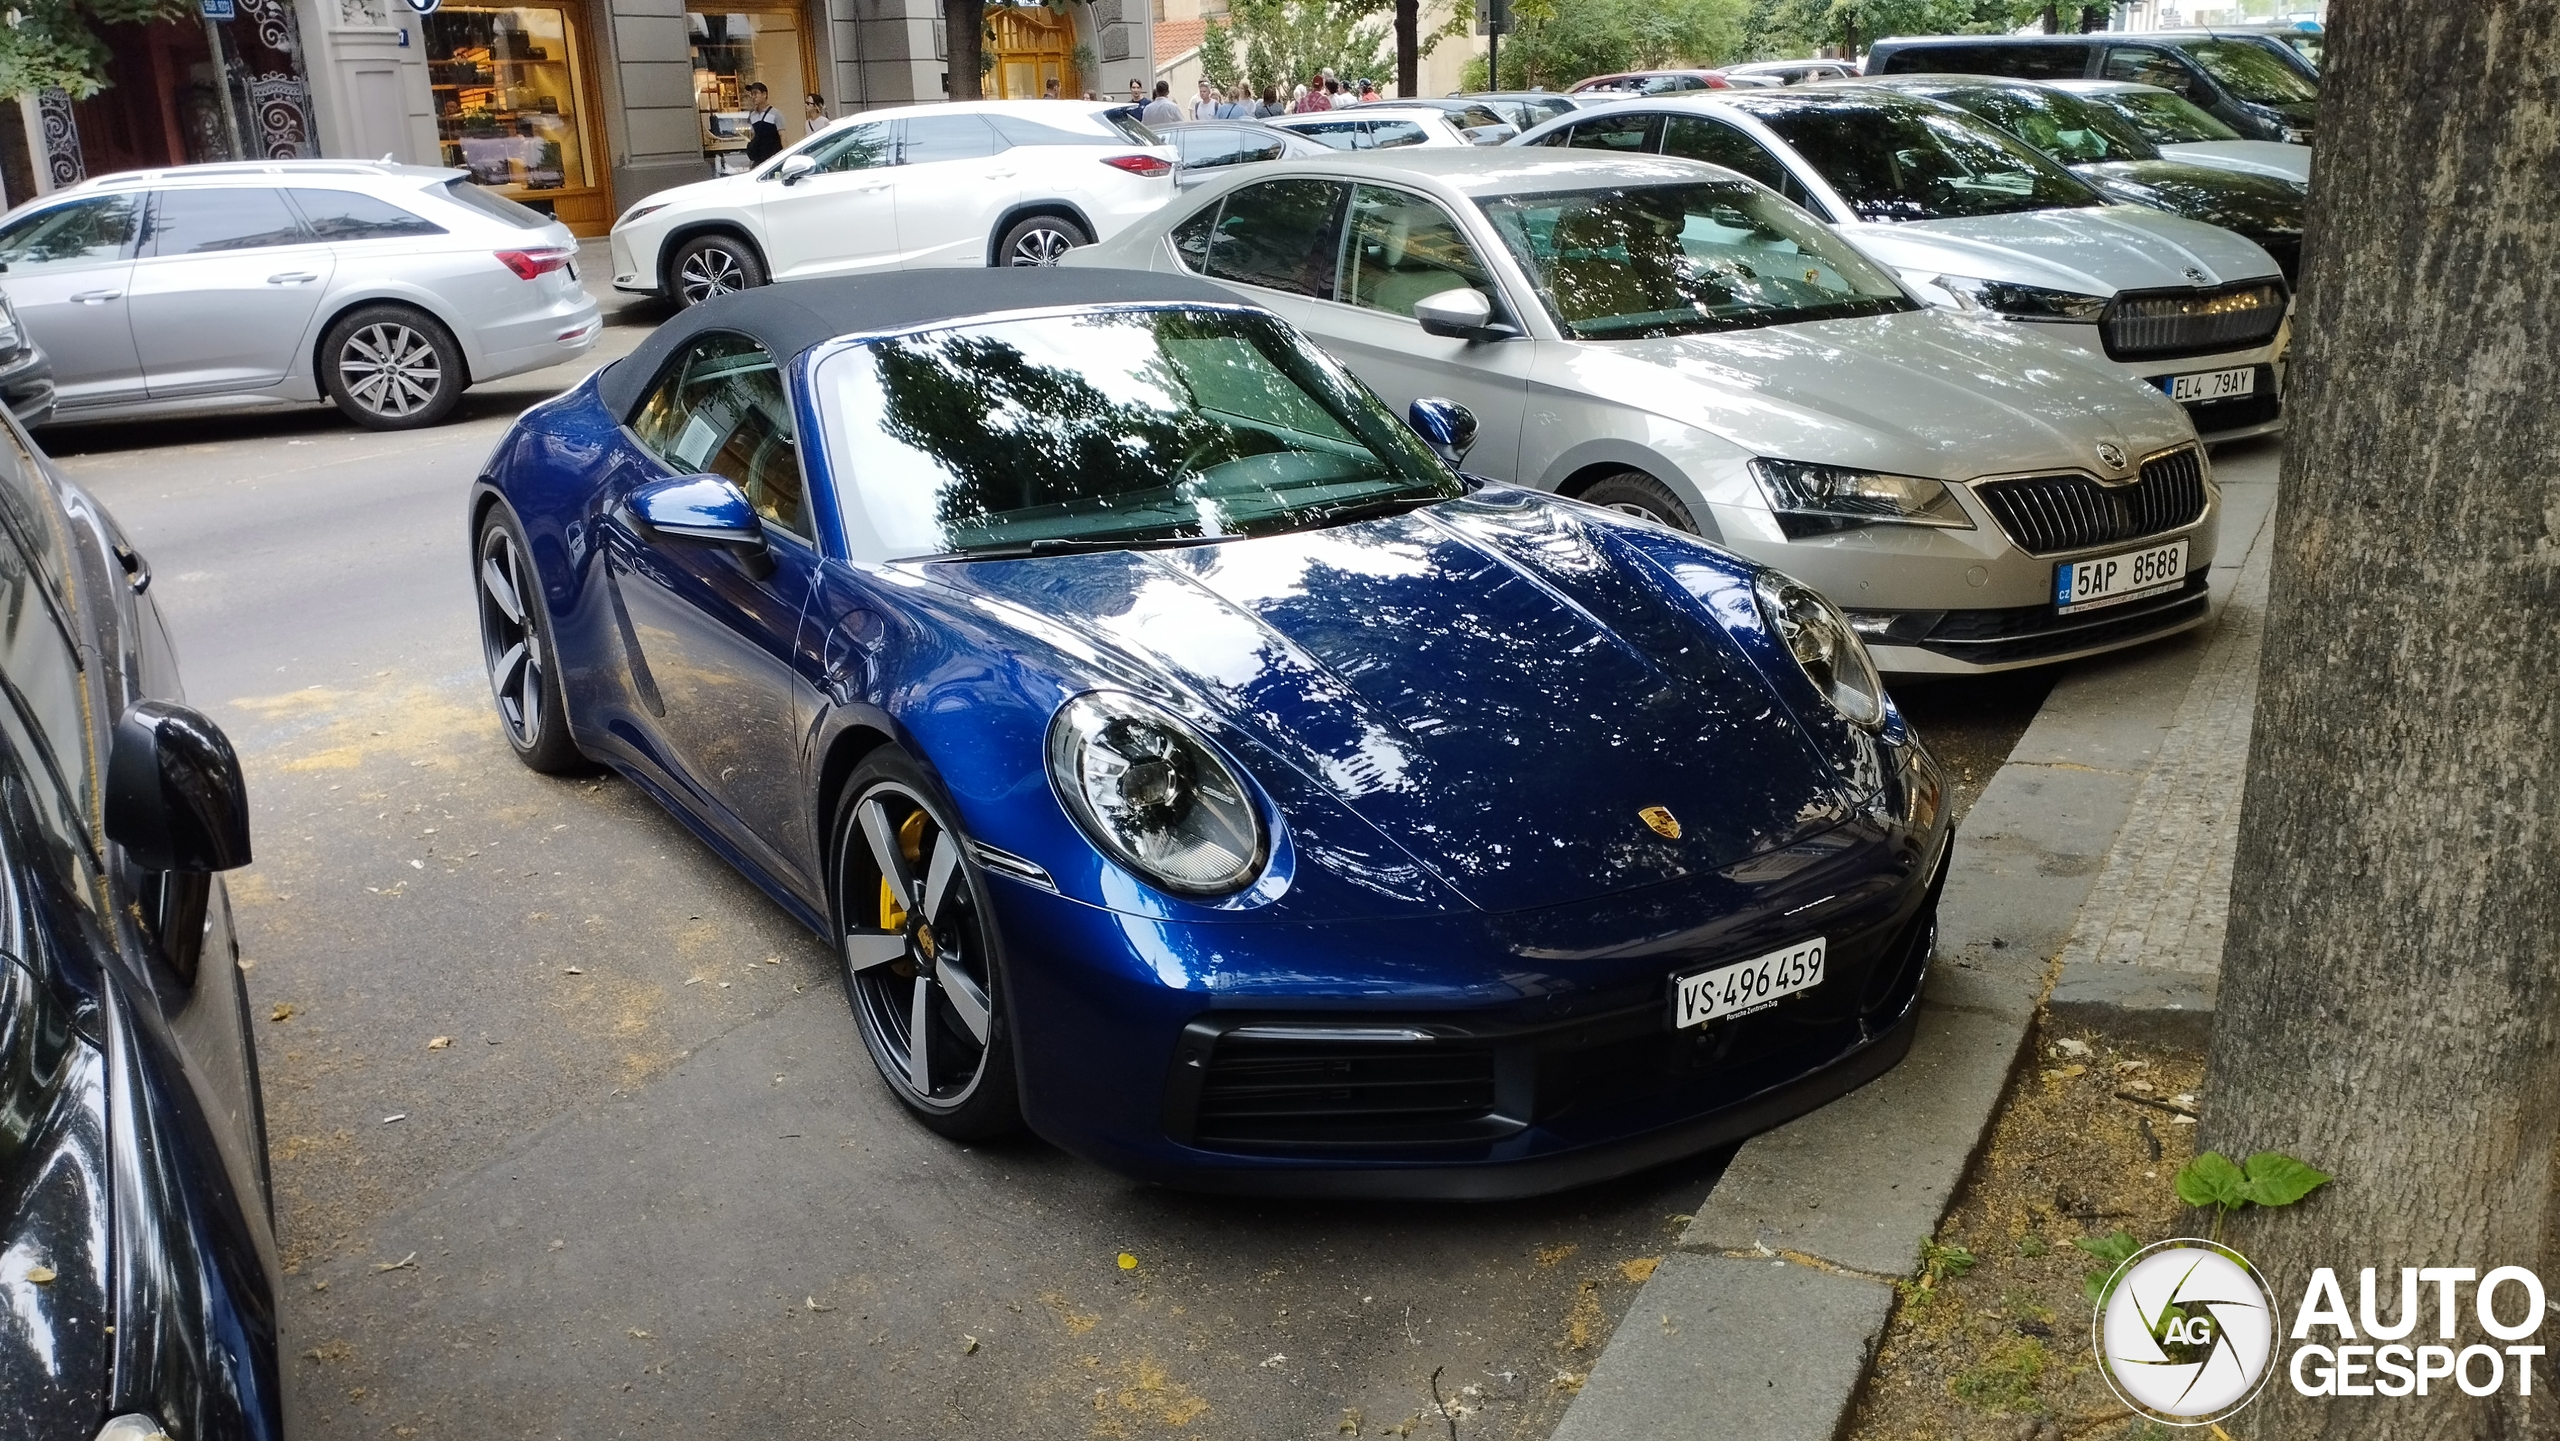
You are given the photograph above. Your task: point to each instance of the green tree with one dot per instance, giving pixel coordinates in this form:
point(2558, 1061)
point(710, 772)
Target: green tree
point(1561, 41)
point(1281, 42)
point(53, 44)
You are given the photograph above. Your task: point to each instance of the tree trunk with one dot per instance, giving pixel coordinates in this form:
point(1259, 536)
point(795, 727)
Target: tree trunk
point(964, 25)
point(1409, 49)
point(2390, 996)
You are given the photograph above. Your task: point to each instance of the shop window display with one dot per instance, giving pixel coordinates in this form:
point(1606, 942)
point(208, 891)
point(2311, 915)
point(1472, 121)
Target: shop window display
point(506, 96)
point(735, 49)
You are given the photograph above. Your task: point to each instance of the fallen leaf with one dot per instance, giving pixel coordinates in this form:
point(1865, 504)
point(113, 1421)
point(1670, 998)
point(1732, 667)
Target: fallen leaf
point(2072, 1048)
point(812, 1303)
point(283, 1012)
point(439, 1043)
point(405, 1263)
point(1128, 1262)
point(41, 1275)
point(968, 1345)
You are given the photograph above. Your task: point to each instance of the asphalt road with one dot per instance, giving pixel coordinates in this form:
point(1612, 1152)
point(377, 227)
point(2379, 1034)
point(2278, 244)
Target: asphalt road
point(572, 1131)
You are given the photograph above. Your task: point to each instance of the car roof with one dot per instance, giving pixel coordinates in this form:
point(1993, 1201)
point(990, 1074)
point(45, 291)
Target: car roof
point(1476, 170)
point(791, 318)
point(1924, 80)
point(2107, 87)
point(268, 172)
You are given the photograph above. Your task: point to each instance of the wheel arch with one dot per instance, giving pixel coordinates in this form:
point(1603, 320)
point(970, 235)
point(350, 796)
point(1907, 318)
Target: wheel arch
point(692, 230)
point(1023, 210)
point(845, 751)
point(1577, 470)
point(420, 301)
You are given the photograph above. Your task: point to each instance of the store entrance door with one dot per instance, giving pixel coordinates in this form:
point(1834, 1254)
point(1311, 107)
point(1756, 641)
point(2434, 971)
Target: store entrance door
point(732, 49)
point(1034, 50)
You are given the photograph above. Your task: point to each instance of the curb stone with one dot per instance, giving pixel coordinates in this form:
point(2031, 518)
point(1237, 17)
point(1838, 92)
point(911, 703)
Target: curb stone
point(1762, 1321)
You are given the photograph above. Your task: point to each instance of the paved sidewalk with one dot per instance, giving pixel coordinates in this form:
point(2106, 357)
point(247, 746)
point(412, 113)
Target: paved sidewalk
point(2100, 854)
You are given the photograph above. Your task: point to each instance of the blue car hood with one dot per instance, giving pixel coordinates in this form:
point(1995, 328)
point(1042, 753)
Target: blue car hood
point(1499, 688)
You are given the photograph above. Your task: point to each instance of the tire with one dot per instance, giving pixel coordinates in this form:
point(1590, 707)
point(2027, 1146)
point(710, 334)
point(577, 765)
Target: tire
point(1632, 492)
point(709, 265)
point(1040, 240)
point(933, 967)
point(515, 645)
point(391, 367)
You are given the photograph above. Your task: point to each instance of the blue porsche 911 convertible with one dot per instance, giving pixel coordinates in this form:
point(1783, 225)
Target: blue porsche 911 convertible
point(1186, 760)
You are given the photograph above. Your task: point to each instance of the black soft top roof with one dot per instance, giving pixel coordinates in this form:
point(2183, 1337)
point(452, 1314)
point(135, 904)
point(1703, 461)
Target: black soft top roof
point(790, 318)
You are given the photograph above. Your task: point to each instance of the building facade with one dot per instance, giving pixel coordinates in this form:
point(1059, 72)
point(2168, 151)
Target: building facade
point(576, 107)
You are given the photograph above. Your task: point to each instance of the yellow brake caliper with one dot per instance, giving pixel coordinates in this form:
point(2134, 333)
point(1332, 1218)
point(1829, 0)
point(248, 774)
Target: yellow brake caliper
point(893, 913)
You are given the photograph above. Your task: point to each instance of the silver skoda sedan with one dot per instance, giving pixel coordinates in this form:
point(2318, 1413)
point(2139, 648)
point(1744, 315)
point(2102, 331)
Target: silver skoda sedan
point(387, 289)
point(1671, 339)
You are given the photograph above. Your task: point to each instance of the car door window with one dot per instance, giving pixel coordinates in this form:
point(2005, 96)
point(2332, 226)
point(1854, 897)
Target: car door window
point(855, 147)
point(353, 215)
point(209, 221)
point(85, 232)
point(1391, 134)
point(46, 711)
point(2146, 66)
point(1626, 134)
point(720, 409)
point(1339, 134)
point(933, 138)
point(1404, 248)
point(1278, 235)
point(1695, 138)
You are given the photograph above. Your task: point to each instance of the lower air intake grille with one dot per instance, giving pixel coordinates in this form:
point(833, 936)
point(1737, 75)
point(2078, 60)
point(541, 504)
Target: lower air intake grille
point(1276, 1090)
point(2048, 514)
point(2140, 325)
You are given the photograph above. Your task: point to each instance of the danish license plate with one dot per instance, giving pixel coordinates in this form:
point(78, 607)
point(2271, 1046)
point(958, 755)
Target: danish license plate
point(2211, 384)
point(2115, 579)
point(1747, 986)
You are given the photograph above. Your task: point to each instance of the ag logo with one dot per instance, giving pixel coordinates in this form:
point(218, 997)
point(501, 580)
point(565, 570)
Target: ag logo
point(2186, 1334)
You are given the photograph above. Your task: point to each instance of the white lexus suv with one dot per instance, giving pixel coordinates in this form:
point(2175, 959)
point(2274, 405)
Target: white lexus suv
point(986, 182)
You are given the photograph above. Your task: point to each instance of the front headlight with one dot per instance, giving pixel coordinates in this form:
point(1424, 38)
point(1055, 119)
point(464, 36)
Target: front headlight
point(644, 208)
point(133, 1427)
point(1155, 796)
point(1814, 500)
point(1818, 636)
point(2011, 301)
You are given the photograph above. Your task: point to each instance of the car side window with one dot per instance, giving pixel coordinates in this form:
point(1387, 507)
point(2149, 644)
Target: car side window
point(1278, 235)
point(44, 704)
point(1404, 248)
point(1391, 134)
point(210, 221)
point(856, 147)
point(1340, 134)
point(1695, 138)
point(2146, 66)
point(932, 138)
point(720, 409)
point(84, 232)
point(354, 215)
point(1626, 134)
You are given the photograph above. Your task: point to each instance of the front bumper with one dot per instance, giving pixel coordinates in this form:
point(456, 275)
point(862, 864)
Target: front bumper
point(1471, 1056)
point(26, 386)
point(2259, 413)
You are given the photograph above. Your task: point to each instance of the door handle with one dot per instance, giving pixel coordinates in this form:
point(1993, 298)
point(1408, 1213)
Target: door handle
point(292, 277)
point(96, 297)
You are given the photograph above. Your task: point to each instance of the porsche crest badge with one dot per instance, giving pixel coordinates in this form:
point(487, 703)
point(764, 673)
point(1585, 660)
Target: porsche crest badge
point(1664, 823)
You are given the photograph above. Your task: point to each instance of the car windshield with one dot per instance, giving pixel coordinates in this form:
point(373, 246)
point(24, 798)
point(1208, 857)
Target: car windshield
point(1893, 159)
point(1652, 260)
point(2167, 119)
point(2249, 71)
point(2065, 127)
point(1109, 428)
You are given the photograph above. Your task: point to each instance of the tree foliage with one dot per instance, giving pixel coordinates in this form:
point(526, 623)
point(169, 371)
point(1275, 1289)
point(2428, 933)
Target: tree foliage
point(1561, 41)
point(53, 44)
point(1282, 42)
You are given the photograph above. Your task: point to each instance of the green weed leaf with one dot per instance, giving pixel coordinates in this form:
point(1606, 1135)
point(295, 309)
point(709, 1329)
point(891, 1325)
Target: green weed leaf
point(2211, 1180)
point(2111, 1250)
point(2276, 1179)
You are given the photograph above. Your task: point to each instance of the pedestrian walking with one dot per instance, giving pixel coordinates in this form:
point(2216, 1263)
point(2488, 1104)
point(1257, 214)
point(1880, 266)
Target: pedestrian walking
point(813, 110)
point(1270, 104)
point(1162, 110)
point(1204, 106)
point(764, 124)
point(1311, 97)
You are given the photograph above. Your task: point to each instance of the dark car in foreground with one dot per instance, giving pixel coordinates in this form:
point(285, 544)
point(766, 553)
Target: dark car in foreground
point(2101, 147)
point(137, 1250)
point(1183, 758)
point(2239, 79)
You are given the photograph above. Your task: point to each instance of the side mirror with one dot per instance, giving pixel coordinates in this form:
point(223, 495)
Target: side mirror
point(1459, 313)
point(794, 169)
point(1447, 425)
point(699, 507)
point(175, 799)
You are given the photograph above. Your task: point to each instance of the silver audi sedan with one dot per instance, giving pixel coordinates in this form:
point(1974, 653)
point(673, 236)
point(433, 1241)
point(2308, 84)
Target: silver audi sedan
point(387, 289)
point(1673, 340)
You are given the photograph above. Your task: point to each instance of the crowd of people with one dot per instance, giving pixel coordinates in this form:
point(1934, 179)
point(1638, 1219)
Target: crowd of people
point(1321, 91)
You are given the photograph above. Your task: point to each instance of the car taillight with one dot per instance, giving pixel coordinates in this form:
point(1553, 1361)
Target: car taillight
point(527, 264)
point(1147, 165)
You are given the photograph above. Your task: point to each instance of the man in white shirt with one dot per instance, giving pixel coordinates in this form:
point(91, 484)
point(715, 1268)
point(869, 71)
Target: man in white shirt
point(1162, 110)
point(1204, 106)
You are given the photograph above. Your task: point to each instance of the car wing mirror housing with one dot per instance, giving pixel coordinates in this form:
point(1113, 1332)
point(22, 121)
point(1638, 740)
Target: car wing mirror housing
point(1449, 427)
point(1460, 313)
point(175, 797)
point(706, 508)
point(794, 169)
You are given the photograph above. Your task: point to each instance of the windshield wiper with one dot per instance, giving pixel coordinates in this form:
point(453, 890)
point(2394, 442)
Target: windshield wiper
point(1353, 510)
point(1073, 545)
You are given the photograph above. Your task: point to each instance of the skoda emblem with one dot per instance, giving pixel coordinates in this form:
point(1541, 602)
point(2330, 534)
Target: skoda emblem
point(1664, 823)
point(2110, 455)
point(2197, 275)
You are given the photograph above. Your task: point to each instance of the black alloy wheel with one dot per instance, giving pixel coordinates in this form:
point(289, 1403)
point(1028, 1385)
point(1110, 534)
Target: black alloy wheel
point(516, 647)
point(710, 265)
point(389, 367)
point(921, 965)
point(1040, 240)
point(1632, 492)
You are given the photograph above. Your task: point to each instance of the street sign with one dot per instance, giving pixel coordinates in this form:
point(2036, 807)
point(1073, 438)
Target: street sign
point(1493, 17)
point(217, 9)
